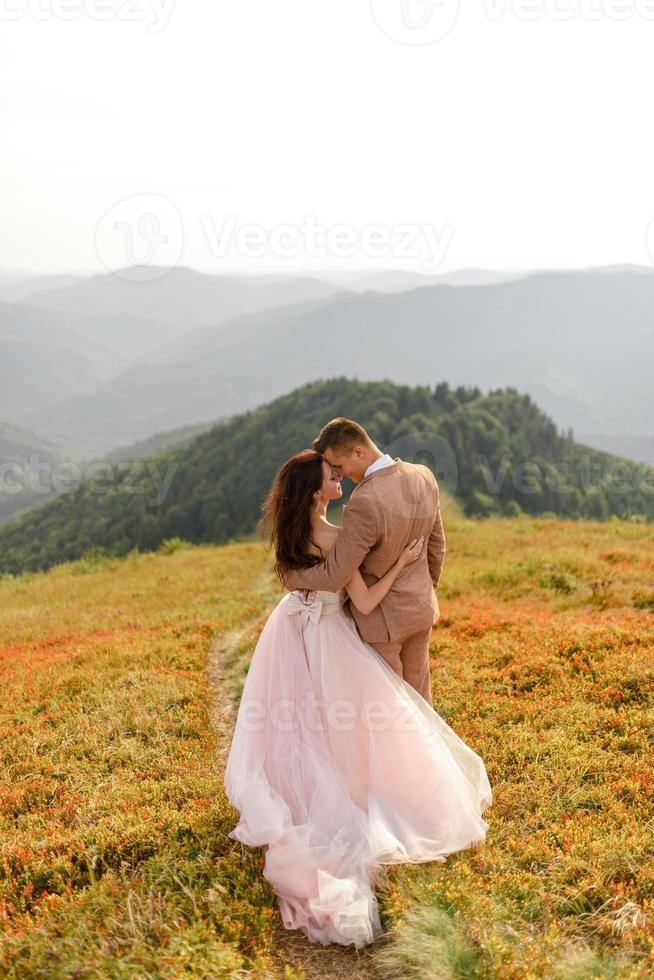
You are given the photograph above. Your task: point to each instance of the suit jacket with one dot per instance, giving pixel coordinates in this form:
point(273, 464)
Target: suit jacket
point(386, 510)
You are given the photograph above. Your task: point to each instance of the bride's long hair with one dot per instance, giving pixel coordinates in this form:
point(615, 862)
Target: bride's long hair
point(286, 512)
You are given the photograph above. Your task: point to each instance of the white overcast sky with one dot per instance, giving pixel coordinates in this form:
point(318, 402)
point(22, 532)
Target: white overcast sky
point(522, 138)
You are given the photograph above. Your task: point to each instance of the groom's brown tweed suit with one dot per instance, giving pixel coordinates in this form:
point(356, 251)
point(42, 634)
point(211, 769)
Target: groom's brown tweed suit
point(386, 510)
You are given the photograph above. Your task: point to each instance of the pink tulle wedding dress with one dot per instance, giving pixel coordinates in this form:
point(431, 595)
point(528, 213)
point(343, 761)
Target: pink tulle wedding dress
point(338, 765)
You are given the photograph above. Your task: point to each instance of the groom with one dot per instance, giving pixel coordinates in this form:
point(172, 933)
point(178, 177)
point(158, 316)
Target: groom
point(393, 502)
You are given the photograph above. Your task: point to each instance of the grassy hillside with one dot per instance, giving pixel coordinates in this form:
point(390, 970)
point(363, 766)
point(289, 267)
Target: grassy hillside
point(115, 859)
point(211, 489)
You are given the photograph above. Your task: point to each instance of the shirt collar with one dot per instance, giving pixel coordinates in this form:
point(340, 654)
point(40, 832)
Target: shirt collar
point(384, 460)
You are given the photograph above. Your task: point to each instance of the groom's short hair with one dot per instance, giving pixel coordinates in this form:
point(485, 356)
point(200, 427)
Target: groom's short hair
point(341, 434)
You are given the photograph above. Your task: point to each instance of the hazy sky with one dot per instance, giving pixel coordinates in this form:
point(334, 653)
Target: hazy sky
point(263, 135)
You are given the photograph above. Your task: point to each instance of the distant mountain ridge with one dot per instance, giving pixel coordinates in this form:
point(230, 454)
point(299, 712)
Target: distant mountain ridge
point(181, 295)
point(100, 361)
point(36, 469)
point(18, 289)
point(72, 337)
point(44, 358)
point(569, 339)
point(22, 483)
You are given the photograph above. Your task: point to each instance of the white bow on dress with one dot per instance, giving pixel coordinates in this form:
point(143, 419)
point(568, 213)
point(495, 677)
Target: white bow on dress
point(312, 607)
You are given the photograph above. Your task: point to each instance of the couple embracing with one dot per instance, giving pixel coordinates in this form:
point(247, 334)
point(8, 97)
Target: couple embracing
point(339, 762)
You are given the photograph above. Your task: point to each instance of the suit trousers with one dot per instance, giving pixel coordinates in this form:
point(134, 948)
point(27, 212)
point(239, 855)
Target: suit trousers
point(410, 659)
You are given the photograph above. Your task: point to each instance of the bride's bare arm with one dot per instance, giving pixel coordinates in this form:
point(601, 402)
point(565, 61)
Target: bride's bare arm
point(367, 597)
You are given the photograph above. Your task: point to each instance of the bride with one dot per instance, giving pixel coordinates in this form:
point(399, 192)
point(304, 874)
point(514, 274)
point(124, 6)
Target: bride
point(338, 765)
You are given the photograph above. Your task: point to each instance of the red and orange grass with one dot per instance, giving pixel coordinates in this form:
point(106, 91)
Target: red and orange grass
point(115, 855)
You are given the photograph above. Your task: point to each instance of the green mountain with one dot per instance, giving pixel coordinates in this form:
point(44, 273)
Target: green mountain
point(497, 453)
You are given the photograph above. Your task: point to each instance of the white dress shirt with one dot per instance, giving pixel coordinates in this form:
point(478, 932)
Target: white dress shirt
point(384, 460)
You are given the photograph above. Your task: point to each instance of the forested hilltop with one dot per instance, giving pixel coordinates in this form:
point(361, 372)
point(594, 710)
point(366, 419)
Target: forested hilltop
point(498, 454)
